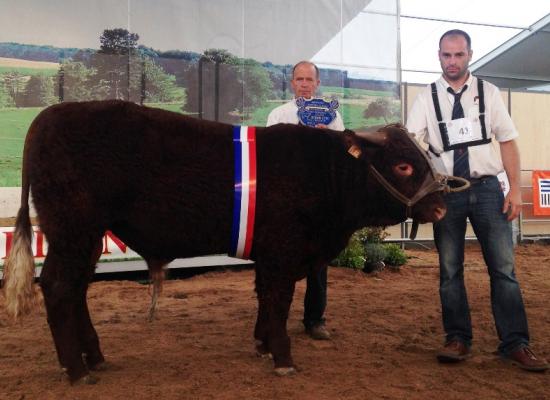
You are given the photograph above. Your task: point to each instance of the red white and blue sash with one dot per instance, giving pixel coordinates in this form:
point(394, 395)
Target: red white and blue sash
point(244, 206)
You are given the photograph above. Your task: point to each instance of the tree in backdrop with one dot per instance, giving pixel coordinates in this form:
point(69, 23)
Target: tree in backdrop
point(114, 61)
point(257, 86)
point(38, 92)
point(159, 86)
point(5, 98)
point(80, 83)
point(280, 77)
point(382, 108)
point(244, 84)
point(14, 83)
point(118, 70)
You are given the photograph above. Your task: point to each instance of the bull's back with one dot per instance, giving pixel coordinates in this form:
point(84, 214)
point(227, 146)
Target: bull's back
point(146, 173)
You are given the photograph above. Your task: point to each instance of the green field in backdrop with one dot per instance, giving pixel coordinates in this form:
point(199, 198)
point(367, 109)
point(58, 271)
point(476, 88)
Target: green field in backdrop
point(27, 71)
point(14, 123)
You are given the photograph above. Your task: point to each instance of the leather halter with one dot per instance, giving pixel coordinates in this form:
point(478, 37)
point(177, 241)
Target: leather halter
point(433, 182)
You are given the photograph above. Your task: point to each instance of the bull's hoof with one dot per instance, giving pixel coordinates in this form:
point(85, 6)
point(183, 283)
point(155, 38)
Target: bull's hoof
point(285, 371)
point(86, 380)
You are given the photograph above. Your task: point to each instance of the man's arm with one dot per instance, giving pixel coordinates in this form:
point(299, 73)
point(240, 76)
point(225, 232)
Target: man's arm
point(417, 120)
point(511, 160)
point(271, 118)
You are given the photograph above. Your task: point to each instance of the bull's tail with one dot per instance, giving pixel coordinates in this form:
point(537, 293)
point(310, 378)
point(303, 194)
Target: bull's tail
point(19, 266)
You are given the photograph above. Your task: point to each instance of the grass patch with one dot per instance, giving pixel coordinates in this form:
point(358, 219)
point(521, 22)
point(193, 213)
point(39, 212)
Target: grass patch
point(175, 107)
point(353, 93)
point(14, 123)
point(10, 172)
point(28, 71)
point(259, 116)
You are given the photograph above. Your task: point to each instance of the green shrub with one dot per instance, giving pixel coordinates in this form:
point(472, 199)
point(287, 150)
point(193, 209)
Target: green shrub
point(366, 251)
point(375, 253)
point(352, 256)
point(371, 234)
point(394, 255)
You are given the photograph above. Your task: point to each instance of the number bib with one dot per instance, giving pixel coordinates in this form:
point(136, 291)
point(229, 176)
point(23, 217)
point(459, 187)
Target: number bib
point(463, 130)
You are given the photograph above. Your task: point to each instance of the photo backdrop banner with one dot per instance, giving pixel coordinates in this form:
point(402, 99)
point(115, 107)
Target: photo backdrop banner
point(223, 60)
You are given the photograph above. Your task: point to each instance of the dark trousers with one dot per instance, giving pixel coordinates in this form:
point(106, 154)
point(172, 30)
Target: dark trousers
point(482, 204)
point(315, 300)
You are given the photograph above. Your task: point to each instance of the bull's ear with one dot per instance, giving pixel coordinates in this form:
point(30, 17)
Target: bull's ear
point(352, 143)
point(355, 151)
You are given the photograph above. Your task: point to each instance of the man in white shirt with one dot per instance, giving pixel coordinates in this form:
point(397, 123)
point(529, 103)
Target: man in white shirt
point(458, 116)
point(305, 81)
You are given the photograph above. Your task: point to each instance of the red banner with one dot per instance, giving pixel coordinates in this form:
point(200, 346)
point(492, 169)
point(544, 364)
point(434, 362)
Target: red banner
point(541, 192)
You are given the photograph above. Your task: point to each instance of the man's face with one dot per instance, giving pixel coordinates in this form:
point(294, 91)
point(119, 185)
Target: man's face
point(454, 57)
point(304, 82)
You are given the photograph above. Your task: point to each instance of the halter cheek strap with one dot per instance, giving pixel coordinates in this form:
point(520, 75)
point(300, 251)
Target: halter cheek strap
point(433, 182)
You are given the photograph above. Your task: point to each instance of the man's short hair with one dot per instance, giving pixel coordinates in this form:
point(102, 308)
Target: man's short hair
point(457, 32)
point(304, 62)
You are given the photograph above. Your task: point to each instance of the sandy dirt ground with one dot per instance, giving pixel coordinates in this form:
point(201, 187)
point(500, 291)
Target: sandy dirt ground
point(386, 330)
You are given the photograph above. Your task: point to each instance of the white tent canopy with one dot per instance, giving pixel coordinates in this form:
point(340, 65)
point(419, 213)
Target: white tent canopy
point(521, 62)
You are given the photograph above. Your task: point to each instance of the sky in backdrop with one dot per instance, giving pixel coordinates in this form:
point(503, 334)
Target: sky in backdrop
point(419, 38)
point(370, 36)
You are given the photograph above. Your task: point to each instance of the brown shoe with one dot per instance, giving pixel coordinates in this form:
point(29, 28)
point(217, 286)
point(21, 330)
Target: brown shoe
point(524, 358)
point(318, 332)
point(453, 352)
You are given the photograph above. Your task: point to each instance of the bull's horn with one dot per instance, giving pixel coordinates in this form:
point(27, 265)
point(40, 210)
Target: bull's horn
point(373, 135)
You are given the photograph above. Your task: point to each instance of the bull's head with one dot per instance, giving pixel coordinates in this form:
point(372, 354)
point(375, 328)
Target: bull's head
point(402, 171)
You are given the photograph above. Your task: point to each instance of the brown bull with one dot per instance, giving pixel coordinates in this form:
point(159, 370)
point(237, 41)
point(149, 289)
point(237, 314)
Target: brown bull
point(164, 184)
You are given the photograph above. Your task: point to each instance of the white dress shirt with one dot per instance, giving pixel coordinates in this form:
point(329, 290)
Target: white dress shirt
point(288, 114)
point(484, 159)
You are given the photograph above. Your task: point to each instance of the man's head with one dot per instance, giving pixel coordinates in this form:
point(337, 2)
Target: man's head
point(455, 54)
point(305, 79)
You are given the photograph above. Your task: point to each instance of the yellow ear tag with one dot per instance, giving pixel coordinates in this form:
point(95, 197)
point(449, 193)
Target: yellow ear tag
point(355, 151)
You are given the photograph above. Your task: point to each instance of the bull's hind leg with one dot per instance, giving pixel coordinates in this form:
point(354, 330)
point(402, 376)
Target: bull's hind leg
point(89, 341)
point(275, 297)
point(64, 281)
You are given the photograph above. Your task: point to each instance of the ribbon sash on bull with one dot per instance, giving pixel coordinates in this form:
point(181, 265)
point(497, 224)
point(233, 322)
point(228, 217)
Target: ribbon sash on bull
point(244, 206)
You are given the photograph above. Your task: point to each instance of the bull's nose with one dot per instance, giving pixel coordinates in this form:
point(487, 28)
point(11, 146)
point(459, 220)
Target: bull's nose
point(439, 213)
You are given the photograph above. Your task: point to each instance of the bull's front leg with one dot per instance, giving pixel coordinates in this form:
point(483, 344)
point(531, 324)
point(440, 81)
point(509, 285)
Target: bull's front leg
point(261, 330)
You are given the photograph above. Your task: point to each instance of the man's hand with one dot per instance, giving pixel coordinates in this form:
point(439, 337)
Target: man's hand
point(321, 126)
point(510, 158)
point(512, 204)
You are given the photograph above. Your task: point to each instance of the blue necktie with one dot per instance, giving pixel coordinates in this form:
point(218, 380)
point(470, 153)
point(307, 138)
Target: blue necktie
point(461, 163)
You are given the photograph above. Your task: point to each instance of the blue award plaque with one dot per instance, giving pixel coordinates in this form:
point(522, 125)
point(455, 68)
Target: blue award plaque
point(316, 111)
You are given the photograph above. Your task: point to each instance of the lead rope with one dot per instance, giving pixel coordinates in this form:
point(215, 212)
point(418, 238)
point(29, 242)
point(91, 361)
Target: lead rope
point(414, 229)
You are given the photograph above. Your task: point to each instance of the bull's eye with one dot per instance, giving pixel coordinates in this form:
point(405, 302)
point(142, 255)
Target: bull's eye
point(403, 169)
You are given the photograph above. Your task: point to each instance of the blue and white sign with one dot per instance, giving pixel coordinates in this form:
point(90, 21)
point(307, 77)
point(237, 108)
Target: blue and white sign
point(315, 111)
